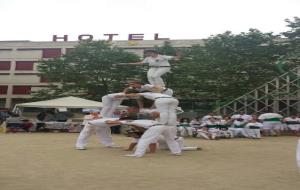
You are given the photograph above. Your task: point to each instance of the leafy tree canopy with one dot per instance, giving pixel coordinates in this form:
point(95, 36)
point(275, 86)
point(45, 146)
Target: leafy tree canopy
point(88, 71)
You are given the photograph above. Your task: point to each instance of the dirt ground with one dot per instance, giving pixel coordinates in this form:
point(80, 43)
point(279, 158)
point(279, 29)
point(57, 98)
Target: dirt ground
point(37, 161)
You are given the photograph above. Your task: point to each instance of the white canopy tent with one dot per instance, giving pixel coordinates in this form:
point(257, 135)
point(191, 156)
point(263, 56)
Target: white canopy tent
point(65, 102)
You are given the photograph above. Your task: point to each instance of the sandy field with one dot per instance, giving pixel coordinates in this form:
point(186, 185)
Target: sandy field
point(48, 161)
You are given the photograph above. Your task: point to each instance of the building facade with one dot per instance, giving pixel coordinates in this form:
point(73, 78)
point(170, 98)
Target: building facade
point(19, 59)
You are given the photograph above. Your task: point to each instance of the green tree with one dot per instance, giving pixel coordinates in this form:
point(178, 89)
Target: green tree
point(87, 71)
point(292, 42)
point(227, 66)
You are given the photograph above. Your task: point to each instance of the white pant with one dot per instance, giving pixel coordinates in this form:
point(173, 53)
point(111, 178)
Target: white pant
point(271, 125)
point(253, 133)
point(238, 132)
point(202, 133)
point(109, 106)
point(185, 131)
point(152, 134)
point(295, 127)
point(167, 110)
point(180, 140)
point(154, 75)
point(103, 134)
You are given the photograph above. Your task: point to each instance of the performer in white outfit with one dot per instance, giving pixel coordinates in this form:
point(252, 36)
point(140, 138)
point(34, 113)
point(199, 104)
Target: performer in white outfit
point(166, 105)
point(139, 86)
point(110, 103)
point(180, 140)
point(152, 134)
point(103, 132)
point(271, 123)
point(159, 65)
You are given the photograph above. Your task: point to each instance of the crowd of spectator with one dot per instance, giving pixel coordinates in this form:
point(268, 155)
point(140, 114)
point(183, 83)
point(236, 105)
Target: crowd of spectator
point(213, 126)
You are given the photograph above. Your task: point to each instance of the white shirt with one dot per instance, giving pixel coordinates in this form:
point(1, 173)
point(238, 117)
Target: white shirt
point(87, 118)
point(146, 110)
point(292, 121)
point(145, 123)
point(160, 60)
point(149, 87)
point(102, 122)
point(205, 118)
point(153, 96)
point(245, 117)
point(113, 96)
point(255, 124)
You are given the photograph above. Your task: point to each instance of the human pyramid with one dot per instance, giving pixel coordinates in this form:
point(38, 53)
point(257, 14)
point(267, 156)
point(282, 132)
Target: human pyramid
point(159, 127)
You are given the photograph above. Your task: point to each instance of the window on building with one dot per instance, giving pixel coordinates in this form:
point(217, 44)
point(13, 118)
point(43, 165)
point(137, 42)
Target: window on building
point(3, 89)
point(24, 65)
point(4, 65)
point(2, 102)
point(21, 90)
point(51, 53)
point(69, 50)
point(43, 79)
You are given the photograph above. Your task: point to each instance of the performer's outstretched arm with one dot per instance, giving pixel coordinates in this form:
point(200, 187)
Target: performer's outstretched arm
point(136, 63)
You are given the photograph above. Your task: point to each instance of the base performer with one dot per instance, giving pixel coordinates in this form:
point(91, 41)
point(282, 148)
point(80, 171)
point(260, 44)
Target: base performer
point(152, 134)
point(110, 103)
point(103, 132)
point(166, 105)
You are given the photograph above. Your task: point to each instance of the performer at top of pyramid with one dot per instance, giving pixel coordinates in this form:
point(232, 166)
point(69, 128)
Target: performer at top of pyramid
point(159, 65)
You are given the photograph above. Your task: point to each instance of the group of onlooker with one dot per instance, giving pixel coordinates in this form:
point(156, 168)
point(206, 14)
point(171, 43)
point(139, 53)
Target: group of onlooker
point(16, 123)
point(212, 126)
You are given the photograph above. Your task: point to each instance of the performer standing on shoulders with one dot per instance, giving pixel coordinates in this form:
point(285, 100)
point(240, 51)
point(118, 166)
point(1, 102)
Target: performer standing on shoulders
point(159, 65)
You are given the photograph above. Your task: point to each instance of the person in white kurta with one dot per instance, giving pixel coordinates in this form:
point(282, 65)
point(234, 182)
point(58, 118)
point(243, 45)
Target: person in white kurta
point(141, 87)
point(180, 140)
point(110, 104)
point(152, 134)
point(136, 130)
point(103, 132)
point(158, 66)
point(166, 105)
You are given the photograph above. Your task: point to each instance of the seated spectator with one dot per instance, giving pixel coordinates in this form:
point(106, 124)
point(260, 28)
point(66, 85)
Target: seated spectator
point(209, 129)
point(26, 125)
point(40, 120)
point(60, 117)
point(293, 124)
point(184, 127)
point(253, 128)
point(239, 122)
point(196, 122)
point(223, 126)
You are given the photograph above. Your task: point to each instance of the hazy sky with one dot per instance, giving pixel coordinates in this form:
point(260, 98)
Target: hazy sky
point(38, 20)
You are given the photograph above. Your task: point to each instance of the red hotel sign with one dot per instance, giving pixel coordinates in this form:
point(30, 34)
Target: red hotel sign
point(110, 37)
